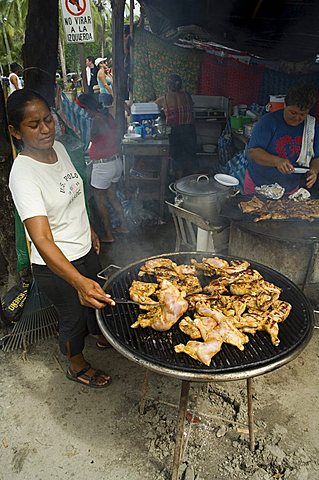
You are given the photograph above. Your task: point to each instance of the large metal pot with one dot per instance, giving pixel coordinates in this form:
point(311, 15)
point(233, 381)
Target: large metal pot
point(201, 194)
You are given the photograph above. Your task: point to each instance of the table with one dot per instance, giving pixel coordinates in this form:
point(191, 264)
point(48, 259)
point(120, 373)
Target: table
point(147, 152)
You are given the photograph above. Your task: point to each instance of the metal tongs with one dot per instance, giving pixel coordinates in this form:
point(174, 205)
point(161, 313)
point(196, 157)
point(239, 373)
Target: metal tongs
point(124, 300)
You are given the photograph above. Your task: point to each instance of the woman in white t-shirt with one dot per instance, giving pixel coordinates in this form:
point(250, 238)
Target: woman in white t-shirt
point(14, 80)
point(48, 194)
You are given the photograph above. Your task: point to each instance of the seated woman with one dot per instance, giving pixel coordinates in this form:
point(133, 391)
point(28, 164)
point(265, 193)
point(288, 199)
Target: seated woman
point(276, 144)
point(107, 165)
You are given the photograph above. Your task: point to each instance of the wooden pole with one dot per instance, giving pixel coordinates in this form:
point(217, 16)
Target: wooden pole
point(130, 79)
point(118, 63)
point(83, 67)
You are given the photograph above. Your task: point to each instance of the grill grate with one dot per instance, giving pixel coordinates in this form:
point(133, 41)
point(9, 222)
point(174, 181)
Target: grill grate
point(158, 347)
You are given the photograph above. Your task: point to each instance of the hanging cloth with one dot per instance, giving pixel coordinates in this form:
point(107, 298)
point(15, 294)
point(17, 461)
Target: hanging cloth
point(307, 151)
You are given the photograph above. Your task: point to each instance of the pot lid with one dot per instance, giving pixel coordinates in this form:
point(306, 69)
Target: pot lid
point(198, 185)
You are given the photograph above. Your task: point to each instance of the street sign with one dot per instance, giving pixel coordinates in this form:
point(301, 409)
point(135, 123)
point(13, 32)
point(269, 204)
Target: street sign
point(77, 21)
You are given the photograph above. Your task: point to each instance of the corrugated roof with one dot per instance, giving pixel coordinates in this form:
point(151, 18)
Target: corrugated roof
point(272, 29)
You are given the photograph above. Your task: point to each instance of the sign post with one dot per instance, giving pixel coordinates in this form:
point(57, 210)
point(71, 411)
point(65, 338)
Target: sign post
point(78, 28)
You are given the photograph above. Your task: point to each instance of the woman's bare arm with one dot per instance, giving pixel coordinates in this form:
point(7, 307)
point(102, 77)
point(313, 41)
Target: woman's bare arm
point(262, 157)
point(90, 293)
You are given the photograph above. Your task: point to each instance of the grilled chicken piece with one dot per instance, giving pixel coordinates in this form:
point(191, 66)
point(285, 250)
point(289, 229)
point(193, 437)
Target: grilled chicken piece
point(216, 286)
point(204, 268)
point(235, 266)
point(187, 326)
point(173, 306)
point(150, 266)
point(141, 292)
point(281, 309)
point(255, 288)
point(147, 319)
point(201, 351)
point(252, 205)
point(164, 272)
point(216, 263)
point(193, 298)
point(183, 270)
point(189, 284)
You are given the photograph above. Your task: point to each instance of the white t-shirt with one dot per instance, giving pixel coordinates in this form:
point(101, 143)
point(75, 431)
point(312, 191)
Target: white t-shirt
point(11, 85)
point(55, 191)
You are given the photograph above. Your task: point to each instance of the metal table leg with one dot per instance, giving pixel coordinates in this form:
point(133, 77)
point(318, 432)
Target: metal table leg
point(141, 407)
point(180, 428)
point(250, 414)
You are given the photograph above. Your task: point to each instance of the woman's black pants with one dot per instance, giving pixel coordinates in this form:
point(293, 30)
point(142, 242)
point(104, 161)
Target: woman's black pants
point(75, 320)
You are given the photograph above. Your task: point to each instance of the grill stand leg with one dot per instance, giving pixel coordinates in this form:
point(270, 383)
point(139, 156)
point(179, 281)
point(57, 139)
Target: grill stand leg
point(250, 414)
point(309, 271)
point(141, 407)
point(180, 428)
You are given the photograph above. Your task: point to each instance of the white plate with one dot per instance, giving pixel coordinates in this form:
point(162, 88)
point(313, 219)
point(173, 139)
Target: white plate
point(132, 136)
point(226, 180)
point(300, 170)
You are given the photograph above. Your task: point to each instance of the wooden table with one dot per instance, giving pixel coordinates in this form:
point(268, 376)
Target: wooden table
point(147, 161)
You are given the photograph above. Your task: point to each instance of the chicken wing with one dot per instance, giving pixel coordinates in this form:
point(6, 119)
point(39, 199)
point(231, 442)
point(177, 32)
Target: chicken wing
point(201, 351)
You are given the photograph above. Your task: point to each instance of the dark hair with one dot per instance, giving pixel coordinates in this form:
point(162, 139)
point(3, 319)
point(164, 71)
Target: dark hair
point(90, 58)
point(302, 95)
point(90, 102)
point(14, 67)
point(17, 102)
point(174, 82)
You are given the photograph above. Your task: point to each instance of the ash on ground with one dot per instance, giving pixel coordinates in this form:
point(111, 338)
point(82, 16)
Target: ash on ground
point(217, 441)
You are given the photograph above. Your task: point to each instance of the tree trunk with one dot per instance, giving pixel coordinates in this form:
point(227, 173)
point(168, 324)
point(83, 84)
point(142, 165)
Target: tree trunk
point(118, 63)
point(7, 226)
point(41, 47)
point(63, 64)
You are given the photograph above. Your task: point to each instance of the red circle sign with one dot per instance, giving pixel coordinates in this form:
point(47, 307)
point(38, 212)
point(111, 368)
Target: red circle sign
point(75, 7)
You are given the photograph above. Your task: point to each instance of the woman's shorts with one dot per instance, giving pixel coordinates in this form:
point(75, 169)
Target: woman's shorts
point(104, 174)
point(106, 99)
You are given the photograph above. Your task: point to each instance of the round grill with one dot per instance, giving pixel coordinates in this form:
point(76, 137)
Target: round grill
point(155, 350)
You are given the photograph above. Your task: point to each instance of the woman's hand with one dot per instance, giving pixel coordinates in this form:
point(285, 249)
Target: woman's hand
point(311, 177)
point(284, 166)
point(91, 294)
point(95, 241)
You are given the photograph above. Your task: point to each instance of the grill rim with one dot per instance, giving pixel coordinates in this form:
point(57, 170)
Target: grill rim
point(236, 373)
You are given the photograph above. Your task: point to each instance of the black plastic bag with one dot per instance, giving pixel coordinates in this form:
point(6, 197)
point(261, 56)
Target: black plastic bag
point(13, 302)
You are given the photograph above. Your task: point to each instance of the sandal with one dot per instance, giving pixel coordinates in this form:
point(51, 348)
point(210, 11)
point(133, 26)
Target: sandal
point(103, 346)
point(88, 380)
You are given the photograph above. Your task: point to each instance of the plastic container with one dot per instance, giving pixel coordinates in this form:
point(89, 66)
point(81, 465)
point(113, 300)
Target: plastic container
point(276, 102)
point(237, 122)
point(144, 111)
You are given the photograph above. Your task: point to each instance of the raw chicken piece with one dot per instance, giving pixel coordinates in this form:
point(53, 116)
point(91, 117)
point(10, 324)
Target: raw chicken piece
point(205, 325)
point(202, 351)
point(173, 306)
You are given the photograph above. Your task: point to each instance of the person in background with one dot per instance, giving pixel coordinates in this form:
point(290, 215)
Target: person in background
point(177, 106)
point(275, 148)
point(107, 165)
point(49, 196)
point(14, 80)
point(105, 83)
point(91, 74)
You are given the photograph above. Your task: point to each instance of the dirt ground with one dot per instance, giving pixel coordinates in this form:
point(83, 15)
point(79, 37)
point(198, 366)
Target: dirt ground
point(51, 428)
